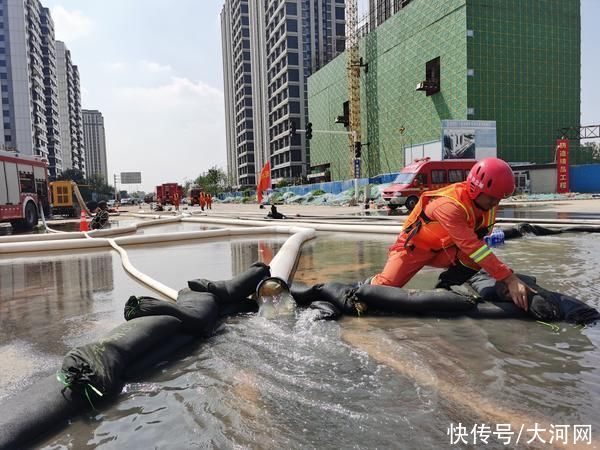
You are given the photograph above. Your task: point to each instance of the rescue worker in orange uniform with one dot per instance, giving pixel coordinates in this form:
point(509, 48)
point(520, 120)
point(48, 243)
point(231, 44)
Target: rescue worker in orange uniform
point(202, 201)
point(208, 200)
point(176, 201)
point(446, 230)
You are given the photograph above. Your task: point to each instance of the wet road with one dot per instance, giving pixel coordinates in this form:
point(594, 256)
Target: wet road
point(369, 382)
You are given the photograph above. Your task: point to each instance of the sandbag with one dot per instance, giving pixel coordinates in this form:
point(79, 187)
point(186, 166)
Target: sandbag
point(94, 370)
point(236, 289)
point(197, 311)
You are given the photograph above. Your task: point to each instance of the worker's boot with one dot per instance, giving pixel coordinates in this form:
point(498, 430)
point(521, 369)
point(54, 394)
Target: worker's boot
point(238, 288)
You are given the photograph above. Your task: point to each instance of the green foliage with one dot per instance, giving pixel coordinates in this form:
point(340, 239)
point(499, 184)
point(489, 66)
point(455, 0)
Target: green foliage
point(590, 151)
point(317, 192)
point(282, 183)
point(97, 184)
point(213, 181)
point(75, 175)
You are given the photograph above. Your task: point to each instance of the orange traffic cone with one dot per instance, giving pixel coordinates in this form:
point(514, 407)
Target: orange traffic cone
point(83, 225)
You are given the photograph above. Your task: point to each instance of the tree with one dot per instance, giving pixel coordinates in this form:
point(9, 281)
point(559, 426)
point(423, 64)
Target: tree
point(75, 175)
point(213, 181)
point(592, 150)
point(97, 184)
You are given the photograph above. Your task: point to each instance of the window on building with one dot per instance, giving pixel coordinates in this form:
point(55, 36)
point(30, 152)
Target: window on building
point(432, 76)
point(290, 9)
point(292, 25)
point(339, 14)
point(292, 42)
point(340, 29)
point(293, 59)
point(294, 91)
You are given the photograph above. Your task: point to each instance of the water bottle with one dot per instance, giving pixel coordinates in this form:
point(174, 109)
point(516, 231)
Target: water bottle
point(495, 238)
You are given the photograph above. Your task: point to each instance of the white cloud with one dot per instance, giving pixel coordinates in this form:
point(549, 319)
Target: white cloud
point(116, 66)
point(152, 66)
point(170, 133)
point(70, 25)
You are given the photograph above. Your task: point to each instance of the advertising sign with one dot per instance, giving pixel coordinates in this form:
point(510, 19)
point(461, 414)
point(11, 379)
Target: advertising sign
point(562, 166)
point(468, 139)
point(131, 177)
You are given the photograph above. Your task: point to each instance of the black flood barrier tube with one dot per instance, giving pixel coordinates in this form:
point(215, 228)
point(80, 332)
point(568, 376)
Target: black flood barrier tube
point(197, 311)
point(523, 229)
point(89, 374)
point(544, 305)
point(325, 310)
point(351, 299)
point(93, 373)
point(238, 288)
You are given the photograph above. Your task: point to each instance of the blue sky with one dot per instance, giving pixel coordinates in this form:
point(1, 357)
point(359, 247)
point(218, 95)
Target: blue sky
point(154, 69)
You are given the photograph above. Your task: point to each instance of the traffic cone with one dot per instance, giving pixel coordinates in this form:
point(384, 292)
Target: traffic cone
point(83, 225)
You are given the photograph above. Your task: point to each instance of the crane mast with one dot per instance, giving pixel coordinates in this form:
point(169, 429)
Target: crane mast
point(353, 74)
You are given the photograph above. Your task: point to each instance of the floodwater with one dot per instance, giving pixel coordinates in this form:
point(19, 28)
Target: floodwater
point(290, 382)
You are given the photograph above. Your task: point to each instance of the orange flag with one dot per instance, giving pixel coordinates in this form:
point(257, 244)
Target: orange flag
point(264, 182)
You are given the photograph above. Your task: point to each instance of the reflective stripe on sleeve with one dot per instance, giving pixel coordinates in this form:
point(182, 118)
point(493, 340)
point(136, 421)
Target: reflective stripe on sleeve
point(480, 253)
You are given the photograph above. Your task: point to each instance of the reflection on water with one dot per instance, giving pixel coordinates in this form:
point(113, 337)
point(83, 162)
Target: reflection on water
point(370, 382)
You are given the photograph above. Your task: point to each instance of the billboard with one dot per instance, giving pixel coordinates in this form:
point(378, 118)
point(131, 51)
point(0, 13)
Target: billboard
point(131, 177)
point(468, 139)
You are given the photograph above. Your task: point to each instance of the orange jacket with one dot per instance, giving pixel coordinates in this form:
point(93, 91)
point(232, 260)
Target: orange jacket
point(448, 217)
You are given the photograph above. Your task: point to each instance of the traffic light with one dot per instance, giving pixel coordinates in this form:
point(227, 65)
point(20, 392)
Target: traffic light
point(357, 149)
point(292, 128)
point(309, 130)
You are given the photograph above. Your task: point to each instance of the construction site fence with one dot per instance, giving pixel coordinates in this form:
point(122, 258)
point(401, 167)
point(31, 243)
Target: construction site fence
point(583, 178)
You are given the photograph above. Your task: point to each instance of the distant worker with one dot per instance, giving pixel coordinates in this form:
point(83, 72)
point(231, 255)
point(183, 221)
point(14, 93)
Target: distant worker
point(202, 201)
point(274, 214)
point(446, 230)
point(100, 219)
point(176, 200)
point(208, 200)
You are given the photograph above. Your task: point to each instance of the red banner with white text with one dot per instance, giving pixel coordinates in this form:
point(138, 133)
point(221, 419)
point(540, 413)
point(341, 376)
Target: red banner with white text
point(562, 166)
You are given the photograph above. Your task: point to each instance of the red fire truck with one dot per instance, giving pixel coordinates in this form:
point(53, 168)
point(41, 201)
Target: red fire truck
point(23, 184)
point(165, 193)
point(195, 192)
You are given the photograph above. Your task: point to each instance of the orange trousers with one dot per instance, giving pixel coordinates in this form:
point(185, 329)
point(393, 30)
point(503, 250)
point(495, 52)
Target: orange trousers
point(404, 263)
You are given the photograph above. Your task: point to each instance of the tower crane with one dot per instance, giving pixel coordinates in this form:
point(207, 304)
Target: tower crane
point(353, 74)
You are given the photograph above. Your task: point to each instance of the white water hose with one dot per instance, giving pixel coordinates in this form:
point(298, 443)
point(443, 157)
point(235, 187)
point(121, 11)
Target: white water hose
point(282, 264)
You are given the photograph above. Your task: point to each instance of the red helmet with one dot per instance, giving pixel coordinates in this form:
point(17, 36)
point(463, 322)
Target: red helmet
point(491, 176)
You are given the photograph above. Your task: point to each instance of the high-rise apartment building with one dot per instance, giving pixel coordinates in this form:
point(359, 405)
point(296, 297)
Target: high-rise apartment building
point(51, 94)
point(269, 50)
point(69, 106)
point(95, 144)
point(22, 77)
point(31, 74)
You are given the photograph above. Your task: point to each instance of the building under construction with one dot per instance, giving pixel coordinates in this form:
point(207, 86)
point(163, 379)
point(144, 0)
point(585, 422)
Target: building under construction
point(514, 62)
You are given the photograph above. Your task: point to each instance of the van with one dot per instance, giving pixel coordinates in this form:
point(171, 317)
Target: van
point(425, 175)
